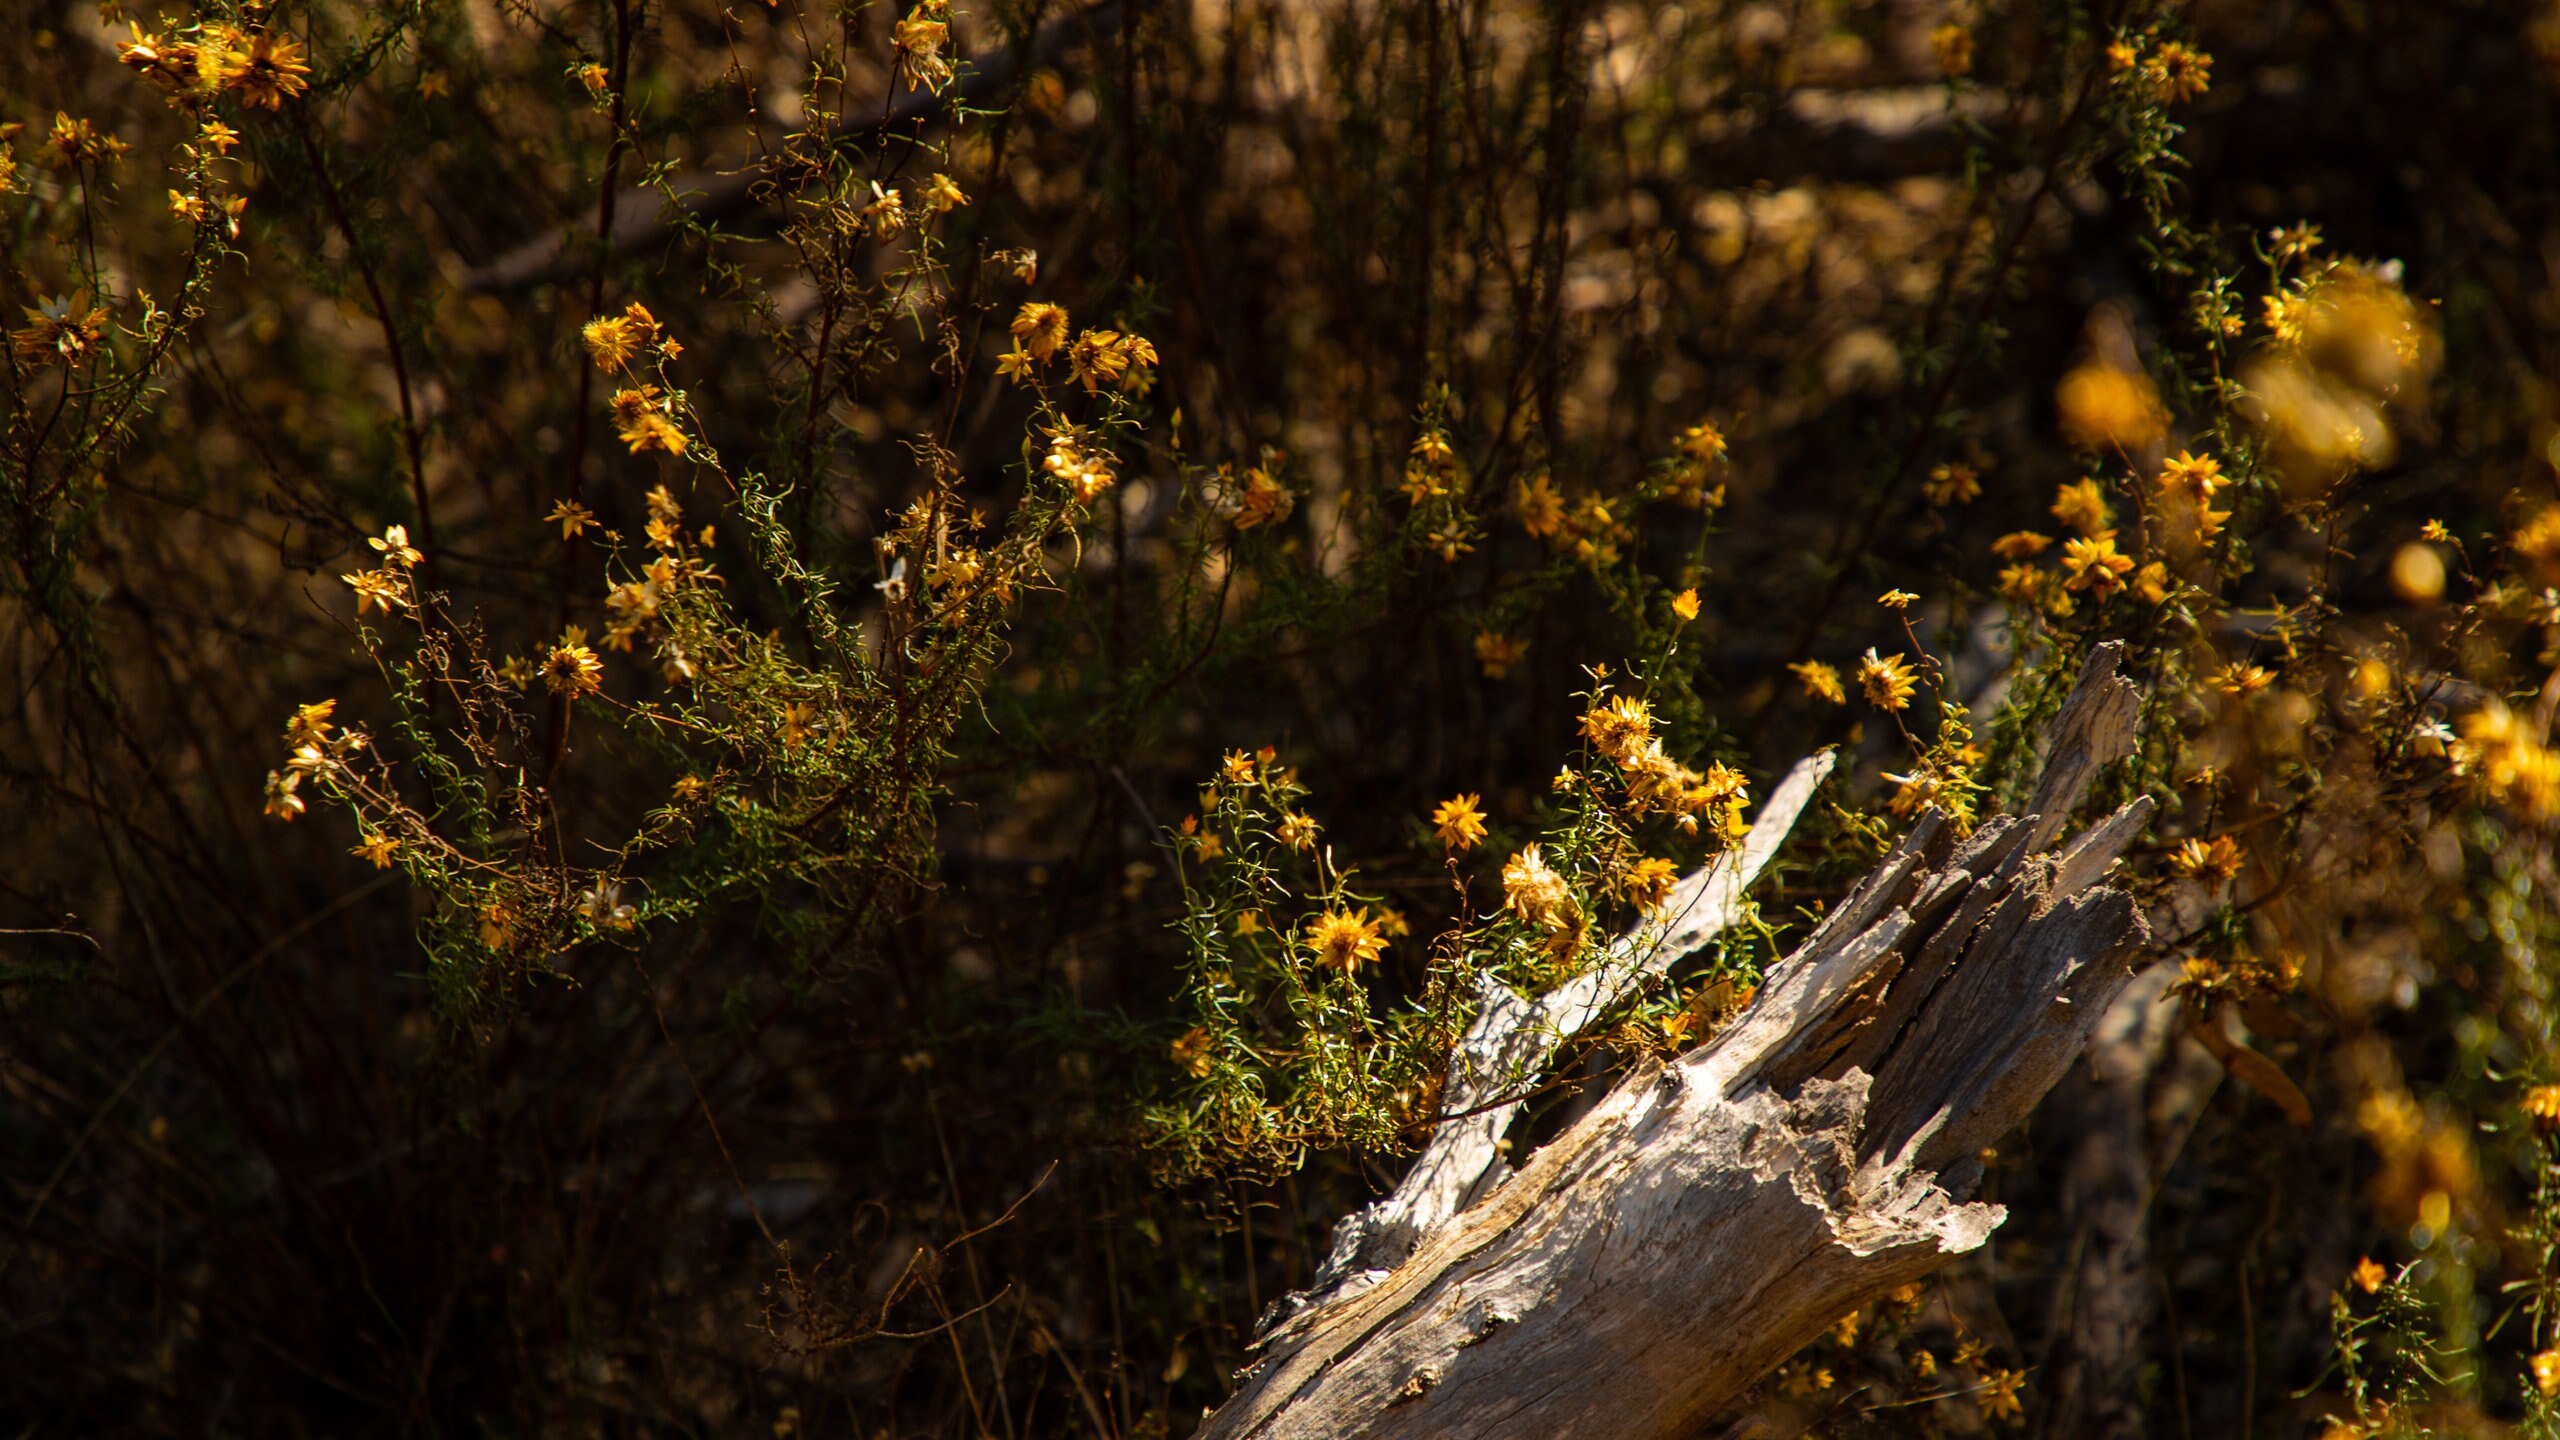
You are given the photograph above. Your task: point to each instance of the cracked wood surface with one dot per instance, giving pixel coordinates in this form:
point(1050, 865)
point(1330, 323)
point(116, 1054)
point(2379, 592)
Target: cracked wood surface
point(1711, 1215)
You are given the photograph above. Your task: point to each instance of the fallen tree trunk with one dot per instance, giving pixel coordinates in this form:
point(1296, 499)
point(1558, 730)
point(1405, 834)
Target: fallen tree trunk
point(1712, 1215)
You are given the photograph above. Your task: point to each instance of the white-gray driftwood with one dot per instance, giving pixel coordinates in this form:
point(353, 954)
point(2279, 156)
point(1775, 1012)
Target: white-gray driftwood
point(1512, 1039)
point(1710, 1216)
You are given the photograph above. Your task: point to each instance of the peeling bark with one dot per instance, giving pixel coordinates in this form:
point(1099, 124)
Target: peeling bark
point(1712, 1215)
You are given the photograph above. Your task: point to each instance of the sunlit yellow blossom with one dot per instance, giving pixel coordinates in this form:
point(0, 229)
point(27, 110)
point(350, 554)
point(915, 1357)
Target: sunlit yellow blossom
point(1685, 605)
point(378, 589)
point(377, 849)
point(1536, 893)
point(1095, 358)
point(1297, 831)
point(1647, 882)
point(1458, 822)
point(2082, 506)
point(2369, 1275)
point(572, 518)
point(920, 37)
point(309, 724)
point(1345, 940)
point(267, 71)
point(572, 670)
point(2021, 545)
point(613, 340)
point(1619, 727)
point(2217, 859)
point(1896, 599)
point(2199, 476)
point(1040, 328)
point(1820, 681)
point(2095, 565)
point(942, 194)
point(393, 546)
point(1887, 680)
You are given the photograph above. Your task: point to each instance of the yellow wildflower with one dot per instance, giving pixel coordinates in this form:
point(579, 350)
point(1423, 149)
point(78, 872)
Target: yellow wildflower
point(1040, 328)
point(572, 518)
point(1896, 599)
point(1820, 681)
point(1345, 940)
point(2021, 545)
point(377, 849)
point(1297, 831)
point(2369, 1275)
point(1685, 605)
point(2095, 566)
point(1535, 892)
point(572, 669)
point(1887, 680)
point(2082, 506)
point(1647, 882)
point(2218, 859)
point(1458, 822)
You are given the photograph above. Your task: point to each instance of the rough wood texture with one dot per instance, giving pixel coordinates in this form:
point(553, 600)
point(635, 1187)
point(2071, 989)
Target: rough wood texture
point(1711, 1216)
point(1513, 1038)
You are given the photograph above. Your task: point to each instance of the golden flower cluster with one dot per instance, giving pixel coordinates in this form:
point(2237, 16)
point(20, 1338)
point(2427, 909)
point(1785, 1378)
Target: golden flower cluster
point(1085, 467)
point(1621, 728)
point(62, 330)
point(641, 420)
point(1534, 892)
point(262, 68)
point(921, 36)
point(2170, 72)
point(1345, 940)
point(390, 587)
point(614, 341)
point(1097, 358)
point(2509, 762)
point(1693, 456)
point(1431, 469)
point(312, 751)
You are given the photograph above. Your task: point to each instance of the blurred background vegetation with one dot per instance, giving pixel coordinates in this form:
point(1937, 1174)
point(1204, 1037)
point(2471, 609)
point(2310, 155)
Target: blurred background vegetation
point(772, 1006)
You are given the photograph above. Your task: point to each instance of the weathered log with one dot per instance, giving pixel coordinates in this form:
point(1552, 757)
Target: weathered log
point(1712, 1215)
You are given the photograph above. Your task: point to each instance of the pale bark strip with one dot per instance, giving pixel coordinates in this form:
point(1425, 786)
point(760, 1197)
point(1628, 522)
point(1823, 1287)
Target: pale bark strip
point(1513, 1038)
point(1710, 1217)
